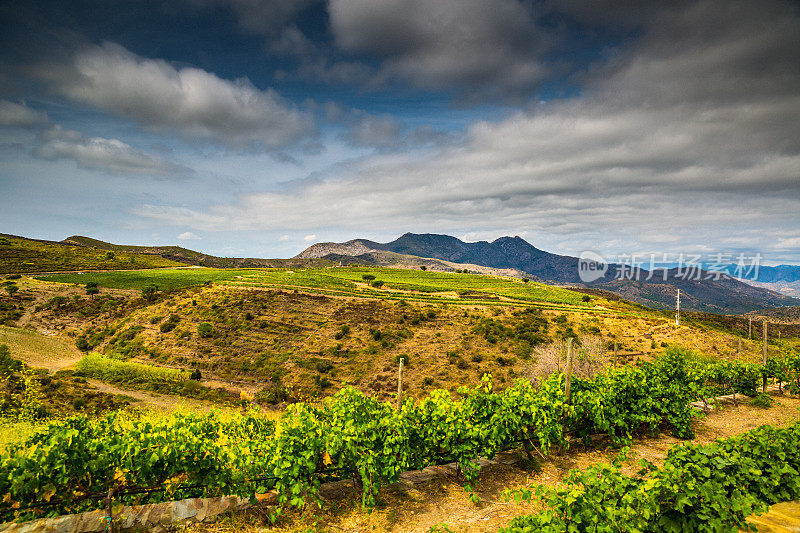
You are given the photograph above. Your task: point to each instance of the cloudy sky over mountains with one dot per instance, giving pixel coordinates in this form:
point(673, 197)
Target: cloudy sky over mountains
point(252, 128)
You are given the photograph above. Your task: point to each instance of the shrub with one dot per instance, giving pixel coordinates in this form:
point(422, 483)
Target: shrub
point(205, 330)
point(166, 327)
point(82, 343)
point(322, 382)
point(196, 375)
point(586, 298)
point(323, 366)
point(272, 395)
point(423, 267)
point(402, 356)
point(343, 332)
point(377, 284)
point(149, 292)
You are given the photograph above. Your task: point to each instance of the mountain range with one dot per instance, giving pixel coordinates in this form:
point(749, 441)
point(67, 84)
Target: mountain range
point(704, 291)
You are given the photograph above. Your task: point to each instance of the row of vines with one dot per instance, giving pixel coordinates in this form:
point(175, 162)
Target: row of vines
point(710, 488)
point(64, 467)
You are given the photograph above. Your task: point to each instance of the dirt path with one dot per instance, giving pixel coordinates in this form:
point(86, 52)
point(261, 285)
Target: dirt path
point(55, 353)
point(162, 402)
point(39, 350)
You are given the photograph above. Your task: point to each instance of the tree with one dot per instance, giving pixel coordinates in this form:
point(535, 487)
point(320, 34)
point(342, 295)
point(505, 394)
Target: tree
point(12, 289)
point(149, 292)
point(423, 267)
point(367, 277)
point(525, 280)
point(205, 330)
point(92, 289)
point(109, 255)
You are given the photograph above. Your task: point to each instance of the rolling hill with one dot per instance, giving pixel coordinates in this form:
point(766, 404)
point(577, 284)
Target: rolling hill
point(191, 257)
point(24, 255)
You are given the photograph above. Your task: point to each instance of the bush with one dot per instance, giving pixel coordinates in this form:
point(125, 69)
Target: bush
point(323, 366)
point(586, 298)
point(402, 356)
point(166, 327)
point(205, 330)
point(272, 395)
point(196, 375)
point(82, 343)
point(343, 332)
point(377, 284)
point(423, 267)
point(322, 382)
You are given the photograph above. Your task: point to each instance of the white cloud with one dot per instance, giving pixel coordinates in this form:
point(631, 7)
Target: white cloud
point(193, 102)
point(108, 155)
point(188, 236)
point(310, 238)
point(283, 238)
point(20, 115)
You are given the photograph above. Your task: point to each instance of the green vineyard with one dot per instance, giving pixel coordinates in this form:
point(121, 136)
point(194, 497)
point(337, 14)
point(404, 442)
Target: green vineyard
point(71, 464)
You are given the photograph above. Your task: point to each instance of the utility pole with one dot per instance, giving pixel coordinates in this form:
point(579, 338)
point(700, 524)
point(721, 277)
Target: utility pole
point(400, 384)
point(568, 384)
point(764, 354)
point(678, 310)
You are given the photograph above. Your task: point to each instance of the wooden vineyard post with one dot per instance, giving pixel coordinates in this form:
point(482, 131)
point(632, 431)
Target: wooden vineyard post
point(764, 354)
point(400, 383)
point(568, 384)
point(739, 350)
point(749, 327)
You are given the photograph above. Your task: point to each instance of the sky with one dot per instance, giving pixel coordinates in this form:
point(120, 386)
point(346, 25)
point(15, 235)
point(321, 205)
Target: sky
point(254, 128)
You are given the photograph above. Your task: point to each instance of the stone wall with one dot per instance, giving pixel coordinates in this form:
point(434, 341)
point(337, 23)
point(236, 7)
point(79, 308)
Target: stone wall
point(155, 517)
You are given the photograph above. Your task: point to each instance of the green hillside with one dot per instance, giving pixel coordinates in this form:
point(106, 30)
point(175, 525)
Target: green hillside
point(21, 255)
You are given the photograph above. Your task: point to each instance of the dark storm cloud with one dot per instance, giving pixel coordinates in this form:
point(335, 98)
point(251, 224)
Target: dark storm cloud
point(494, 46)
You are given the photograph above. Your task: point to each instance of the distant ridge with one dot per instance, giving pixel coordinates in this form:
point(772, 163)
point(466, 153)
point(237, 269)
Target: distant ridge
point(723, 295)
point(189, 257)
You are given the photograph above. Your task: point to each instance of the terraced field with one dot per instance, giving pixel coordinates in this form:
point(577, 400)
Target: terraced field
point(406, 284)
